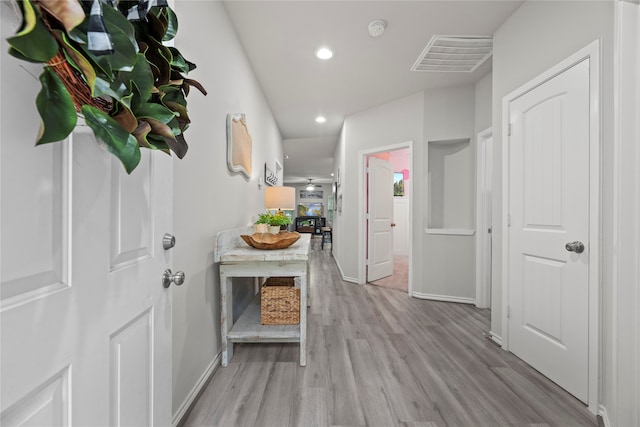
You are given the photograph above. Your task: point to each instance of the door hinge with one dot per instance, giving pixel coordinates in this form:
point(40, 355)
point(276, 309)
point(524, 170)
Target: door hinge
point(509, 129)
point(508, 220)
point(508, 312)
point(366, 262)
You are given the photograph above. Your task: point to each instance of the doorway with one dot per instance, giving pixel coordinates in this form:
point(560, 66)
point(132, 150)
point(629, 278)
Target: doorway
point(397, 196)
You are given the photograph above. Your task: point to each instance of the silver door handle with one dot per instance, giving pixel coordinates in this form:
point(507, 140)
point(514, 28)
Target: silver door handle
point(576, 247)
point(168, 277)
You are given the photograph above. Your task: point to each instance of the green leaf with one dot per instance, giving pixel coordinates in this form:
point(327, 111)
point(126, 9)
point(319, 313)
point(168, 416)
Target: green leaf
point(124, 43)
point(155, 111)
point(121, 88)
point(119, 142)
point(177, 61)
point(160, 56)
point(172, 24)
point(57, 112)
point(156, 25)
point(33, 41)
point(183, 118)
point(140, 76)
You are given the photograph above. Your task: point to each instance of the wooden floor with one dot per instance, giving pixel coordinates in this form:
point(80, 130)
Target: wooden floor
point(378, 358)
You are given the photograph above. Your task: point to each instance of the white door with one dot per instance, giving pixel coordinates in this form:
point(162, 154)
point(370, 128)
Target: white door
point(380, 214)
point(85, 320)
point(549, 208)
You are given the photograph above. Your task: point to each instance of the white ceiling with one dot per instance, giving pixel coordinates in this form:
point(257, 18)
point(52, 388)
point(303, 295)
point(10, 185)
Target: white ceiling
point(281, 37)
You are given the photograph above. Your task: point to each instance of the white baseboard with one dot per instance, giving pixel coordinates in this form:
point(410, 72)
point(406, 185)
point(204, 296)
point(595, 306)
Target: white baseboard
point(195, 391)
point(345, 278)
point(495, 338)
point(602, 411)
point(445, 298)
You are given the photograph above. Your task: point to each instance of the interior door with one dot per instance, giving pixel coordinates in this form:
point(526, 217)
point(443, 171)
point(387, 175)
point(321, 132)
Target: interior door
point(380, 214)
point(85, 319)
point(548, 268)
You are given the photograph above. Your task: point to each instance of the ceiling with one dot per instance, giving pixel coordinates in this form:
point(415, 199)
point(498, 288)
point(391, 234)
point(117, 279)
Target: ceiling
point(280, 39)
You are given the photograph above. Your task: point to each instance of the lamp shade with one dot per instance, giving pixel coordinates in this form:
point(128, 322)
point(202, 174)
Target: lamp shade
point(283, 198)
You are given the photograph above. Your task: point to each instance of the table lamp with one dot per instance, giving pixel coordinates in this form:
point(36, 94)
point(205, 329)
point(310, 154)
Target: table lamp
point(280, 198)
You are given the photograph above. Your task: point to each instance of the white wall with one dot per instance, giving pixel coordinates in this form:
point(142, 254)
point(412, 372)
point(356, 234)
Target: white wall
point(393, 123)
point(208, 198)
point(483, 117)
point(447, 261)
point(533, 39)
point(338, 236)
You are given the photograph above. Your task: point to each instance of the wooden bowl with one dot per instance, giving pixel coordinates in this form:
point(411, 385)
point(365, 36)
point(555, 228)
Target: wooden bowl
point(282, 240)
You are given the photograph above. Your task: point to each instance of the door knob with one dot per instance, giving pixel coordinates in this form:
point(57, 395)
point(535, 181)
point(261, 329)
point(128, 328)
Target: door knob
point(393, 224)
point(168, 277)
point(576, 247)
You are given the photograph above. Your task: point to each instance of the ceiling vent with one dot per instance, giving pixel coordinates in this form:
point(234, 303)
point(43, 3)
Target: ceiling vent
point(454, 54)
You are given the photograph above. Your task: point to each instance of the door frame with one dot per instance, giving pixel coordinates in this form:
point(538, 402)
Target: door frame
point(362, 209)
point(591, 52)
point(483, 289)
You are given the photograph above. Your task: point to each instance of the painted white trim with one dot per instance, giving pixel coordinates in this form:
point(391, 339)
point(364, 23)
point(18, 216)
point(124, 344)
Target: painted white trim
point(344, 278)
point(625, 323)
point(495, 338)
point(350, 280)
point(195, 391)
point(592, 52)
point(451, 231)
point(483, 299)
point(602, 411)
point(444, 298)
point(362, 203)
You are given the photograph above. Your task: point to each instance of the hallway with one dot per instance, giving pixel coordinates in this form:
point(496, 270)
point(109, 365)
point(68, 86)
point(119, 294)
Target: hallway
point(378, 358)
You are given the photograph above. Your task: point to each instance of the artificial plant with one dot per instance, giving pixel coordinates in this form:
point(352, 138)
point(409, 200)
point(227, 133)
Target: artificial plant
point(278, 218)
point(130, 87)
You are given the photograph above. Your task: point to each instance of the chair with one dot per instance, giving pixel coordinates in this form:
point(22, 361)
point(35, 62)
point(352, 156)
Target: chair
point(327, 237)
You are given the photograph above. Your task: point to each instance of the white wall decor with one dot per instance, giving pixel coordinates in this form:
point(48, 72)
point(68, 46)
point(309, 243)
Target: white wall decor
point(238, 144)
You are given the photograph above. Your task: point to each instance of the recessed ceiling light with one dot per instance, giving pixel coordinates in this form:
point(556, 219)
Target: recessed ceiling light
point(320, 119)
point(324, 53)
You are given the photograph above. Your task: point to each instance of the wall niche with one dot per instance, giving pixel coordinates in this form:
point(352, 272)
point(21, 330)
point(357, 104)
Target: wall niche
point(451, 177)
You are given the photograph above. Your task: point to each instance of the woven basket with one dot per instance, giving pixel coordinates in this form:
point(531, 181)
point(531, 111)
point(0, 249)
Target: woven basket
point(279, 302)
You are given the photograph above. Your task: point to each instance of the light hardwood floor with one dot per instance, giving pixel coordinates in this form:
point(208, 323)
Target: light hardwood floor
point(378, 358)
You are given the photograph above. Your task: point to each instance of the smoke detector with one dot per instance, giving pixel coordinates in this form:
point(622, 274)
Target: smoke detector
point(376, 28)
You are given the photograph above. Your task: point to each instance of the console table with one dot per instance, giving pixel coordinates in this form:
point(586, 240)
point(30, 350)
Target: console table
point(237, 259)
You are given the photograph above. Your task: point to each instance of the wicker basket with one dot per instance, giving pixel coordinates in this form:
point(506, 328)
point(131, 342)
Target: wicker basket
point(279, 302)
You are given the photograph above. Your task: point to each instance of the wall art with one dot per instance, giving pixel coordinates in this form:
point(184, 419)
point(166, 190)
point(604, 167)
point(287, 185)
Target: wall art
point(239, 144)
